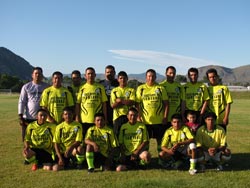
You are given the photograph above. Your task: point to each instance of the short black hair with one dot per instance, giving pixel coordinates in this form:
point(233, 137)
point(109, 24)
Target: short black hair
point(176, 116)
point(57, 73)
point(171, 67)
point(37, 68)
point(76, 72)
point(209, 114)
point(99, 114)
point(133, 109)
point(123, 73)
point(192, 69)
point(212, 70)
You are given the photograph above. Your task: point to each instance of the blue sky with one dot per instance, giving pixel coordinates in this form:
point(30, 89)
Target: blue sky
point(132, 35)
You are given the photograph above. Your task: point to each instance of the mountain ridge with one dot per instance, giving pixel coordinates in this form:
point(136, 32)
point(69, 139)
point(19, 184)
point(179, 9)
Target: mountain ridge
point(15, 65)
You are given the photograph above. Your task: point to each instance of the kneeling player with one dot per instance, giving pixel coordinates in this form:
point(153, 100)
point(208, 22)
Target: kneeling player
point(101, 145)
point(38, 145)
point(211, 143)
point(177, 144)
point(134, 143)
point(68, 140)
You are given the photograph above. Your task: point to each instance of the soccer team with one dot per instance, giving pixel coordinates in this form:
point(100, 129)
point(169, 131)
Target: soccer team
point(108, 125)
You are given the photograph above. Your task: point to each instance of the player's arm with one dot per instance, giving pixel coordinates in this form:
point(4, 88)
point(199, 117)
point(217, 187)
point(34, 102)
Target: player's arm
point(68, 152)
point(93, 144)
point(226, 116)
point(77, 111)
point(59, 155)
point(204, 107)
point(183, 109)
point(104, 110)
point(166, 110)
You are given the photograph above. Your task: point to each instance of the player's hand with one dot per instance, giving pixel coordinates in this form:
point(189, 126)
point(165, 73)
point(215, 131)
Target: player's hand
point(96, 147)
point(22, 122)
point(225, 121)
point(134, 157)
point(60, 162)
point(212, 151)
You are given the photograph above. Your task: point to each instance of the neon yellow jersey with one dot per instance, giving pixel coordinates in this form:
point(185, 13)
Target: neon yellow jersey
point(41, 136)
point(91, 99)
point(213, 139)
point(195, 95)
point(67, 134)
point(172, 137)
point(150, 99)
point(132, 136)
point(74, 91)
point(55, 100)
point(103, 137)
point(174, 92)
point(126, 93)
point(219, 98)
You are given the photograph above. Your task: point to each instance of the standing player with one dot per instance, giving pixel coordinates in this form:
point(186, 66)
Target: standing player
point(174, 91)
point(177, 144)
point(91, 99)
point(109, 83)
point(152, 104)
point(122, 97)
point(220, 98)
point(134, 143)
point(76, 83)
point(101, 145)
point(29, 99)
point(55, 98)
point(68, 139)
point(195, 95)
point(38, 143)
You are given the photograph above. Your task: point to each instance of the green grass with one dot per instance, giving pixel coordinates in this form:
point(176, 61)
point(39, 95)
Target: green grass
point(14, 174)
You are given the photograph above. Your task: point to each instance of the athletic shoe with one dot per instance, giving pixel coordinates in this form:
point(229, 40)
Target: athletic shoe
point(26, 162)
point(91, 170)
point(34, 167)
point(79, 166)
point(219, 168)
point(192, 171)
point(202, 167)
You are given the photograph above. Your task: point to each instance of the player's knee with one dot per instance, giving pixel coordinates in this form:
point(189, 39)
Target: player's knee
point(120, 168)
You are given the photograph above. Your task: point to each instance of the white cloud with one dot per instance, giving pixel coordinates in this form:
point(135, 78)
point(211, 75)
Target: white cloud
point(161, 59)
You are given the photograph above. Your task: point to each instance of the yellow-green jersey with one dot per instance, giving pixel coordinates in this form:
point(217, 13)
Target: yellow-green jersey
point(104, 137)
point(195, 95)
point(172, 137)
point(91, 98)
point(214, 139)
point(174, 92)
point(219, 98)
point(125, 93)
point(150, 99)
point(132, 136)
point(74, 91)
point(67, 134)
point(41, 136)
point(55, 100)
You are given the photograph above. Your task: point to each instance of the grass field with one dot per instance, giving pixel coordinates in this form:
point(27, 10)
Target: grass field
point(14, 174)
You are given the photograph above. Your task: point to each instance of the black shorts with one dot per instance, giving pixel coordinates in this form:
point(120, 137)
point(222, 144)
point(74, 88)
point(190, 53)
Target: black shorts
point(99, 159)
point(131, 164)
point(118, 123)
point(42, 156)
point(156, 131)
point(85, 127)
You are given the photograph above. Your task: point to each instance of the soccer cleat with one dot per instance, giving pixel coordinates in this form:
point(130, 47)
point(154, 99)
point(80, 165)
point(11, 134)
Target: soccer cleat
point(26, 162)
point(79, 166)
point(34, 167)
point(219, 168)
point(91, 170)
point(192, 171)
point(202, 167)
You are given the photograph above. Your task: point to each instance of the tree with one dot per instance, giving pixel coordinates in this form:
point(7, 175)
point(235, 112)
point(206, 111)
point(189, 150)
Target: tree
point(180, 78)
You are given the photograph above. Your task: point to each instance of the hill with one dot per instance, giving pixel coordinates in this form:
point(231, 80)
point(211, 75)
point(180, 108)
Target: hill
point(236, 75)
point(14, 65)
